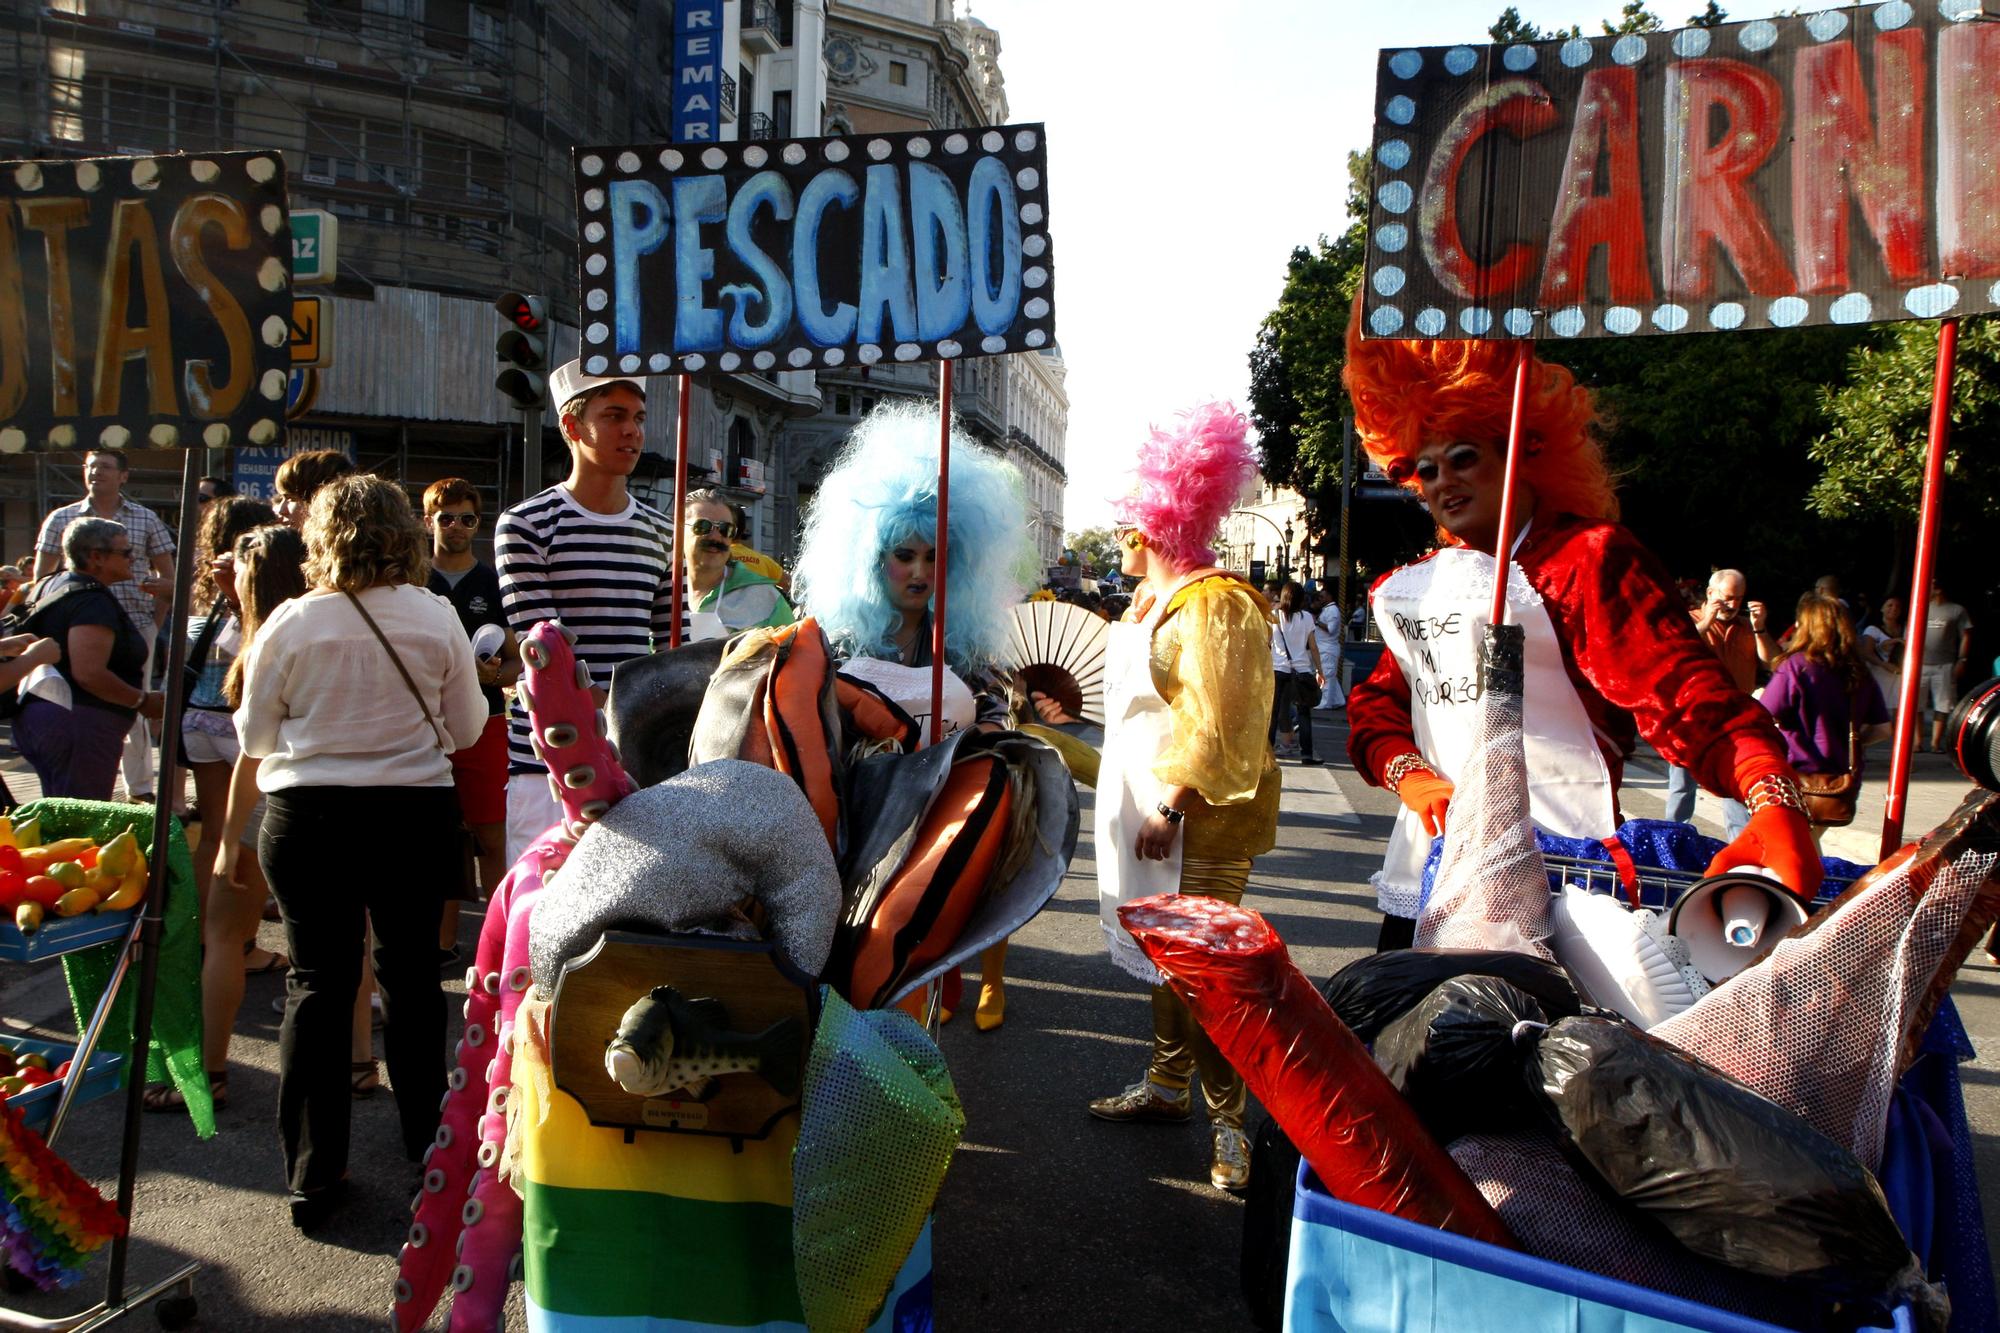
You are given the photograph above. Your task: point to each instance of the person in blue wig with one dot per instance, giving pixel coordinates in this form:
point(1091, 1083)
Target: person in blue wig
point(867, 571)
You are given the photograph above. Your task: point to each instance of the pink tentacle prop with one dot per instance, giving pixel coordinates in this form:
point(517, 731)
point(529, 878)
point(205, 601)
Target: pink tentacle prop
point(467, 1228)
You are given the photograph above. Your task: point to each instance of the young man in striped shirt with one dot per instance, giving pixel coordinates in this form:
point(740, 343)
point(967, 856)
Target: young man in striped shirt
point(586, 553)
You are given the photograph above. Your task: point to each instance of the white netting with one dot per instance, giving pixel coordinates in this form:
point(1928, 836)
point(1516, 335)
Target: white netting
point(1558, 1215)
point(1825, 1023)
point(1492, 890)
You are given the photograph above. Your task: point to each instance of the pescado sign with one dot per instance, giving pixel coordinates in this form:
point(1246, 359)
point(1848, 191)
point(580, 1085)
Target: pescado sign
point(143, 301)
point(802, 253)
point(1840, 167)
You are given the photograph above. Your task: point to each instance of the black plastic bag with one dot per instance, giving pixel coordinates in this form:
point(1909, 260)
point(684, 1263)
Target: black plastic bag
point(1372, 992)
point(1454, 1057)
point(1732, 1176)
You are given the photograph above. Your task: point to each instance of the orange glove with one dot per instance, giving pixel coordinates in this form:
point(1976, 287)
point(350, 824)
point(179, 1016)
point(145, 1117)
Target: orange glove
point(1780, 840)
point(1429, 795)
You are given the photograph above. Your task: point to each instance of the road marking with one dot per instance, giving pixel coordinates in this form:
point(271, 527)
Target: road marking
point(1314, 791)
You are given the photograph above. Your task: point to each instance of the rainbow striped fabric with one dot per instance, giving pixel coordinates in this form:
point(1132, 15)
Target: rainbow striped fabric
point(670, 1233)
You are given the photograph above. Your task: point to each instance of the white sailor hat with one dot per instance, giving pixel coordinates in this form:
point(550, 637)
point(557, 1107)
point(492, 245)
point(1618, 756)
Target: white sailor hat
point(567, 381)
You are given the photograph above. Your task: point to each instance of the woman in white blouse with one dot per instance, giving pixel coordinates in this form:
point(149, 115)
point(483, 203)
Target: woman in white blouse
point(353, 697)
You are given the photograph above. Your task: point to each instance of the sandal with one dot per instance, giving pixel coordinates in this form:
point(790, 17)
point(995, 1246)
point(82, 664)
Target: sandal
point(167, 1097)
point(364, 1077)
point(276, 962)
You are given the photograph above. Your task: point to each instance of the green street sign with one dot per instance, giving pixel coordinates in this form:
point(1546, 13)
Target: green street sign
point(315, 246)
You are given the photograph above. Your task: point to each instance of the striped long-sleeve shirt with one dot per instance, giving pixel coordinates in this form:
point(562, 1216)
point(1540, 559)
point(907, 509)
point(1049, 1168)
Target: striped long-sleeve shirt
point(607, 577)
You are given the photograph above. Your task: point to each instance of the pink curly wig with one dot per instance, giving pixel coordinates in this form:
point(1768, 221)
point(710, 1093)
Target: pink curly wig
point(1190, 477)
point(1407, 393)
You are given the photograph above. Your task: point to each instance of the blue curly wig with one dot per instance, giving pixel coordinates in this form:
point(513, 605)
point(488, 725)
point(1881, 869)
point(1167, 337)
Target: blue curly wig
point(882, 491)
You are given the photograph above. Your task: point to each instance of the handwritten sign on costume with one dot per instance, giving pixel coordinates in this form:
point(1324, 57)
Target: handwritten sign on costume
point(802, 253)
point(1840, 167)
point(144, 301)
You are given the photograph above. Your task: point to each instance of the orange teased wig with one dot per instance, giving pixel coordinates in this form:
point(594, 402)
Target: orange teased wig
point(1408, 393)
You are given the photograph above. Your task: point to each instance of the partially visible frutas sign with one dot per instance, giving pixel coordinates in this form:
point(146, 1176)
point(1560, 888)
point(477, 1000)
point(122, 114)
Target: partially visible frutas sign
point(144, 302)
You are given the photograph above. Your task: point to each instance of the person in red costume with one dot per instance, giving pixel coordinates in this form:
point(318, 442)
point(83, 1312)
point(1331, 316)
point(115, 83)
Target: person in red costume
point(1611, 655)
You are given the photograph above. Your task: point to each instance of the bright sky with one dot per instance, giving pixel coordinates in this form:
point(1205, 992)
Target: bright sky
point(1191, 147)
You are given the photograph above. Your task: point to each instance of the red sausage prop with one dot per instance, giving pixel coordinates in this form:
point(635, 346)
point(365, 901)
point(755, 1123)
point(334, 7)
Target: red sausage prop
point(1313, 1075)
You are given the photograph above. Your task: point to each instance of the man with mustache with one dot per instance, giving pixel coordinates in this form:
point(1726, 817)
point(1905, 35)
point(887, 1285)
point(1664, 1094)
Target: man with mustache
point(726, 595)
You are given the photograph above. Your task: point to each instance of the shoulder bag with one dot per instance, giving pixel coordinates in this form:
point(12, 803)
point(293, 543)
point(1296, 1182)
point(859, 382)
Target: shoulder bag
point(1830, 797)
point(468, 849)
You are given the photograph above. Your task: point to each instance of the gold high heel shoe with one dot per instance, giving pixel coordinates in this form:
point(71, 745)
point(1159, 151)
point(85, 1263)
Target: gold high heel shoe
point(992, 1010)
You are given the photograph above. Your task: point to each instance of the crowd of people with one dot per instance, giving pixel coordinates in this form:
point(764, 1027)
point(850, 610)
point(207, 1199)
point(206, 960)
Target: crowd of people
point(352, 662)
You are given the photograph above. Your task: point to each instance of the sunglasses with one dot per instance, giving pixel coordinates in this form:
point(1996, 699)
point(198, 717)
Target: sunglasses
point(725, 530)
point(125, 551)
point(457, 520)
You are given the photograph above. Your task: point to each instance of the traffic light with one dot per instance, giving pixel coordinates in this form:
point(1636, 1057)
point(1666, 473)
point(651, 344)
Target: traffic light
point(523, 349)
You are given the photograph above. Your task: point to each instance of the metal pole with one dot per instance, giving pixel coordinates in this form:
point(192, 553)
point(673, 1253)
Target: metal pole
point(1504, 543)
point(942, 549)
point(1346, 494)
point(680, 502)
point(152, 922)
point(1919, 602)
point(531, 451)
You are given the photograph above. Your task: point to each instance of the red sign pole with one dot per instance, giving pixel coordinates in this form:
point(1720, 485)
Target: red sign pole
point(942, 549)
point(1503, 548)
point(680, 504)
point(1919, 602)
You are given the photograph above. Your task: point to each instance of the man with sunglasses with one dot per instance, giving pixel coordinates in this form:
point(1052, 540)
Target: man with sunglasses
point(451, 512)
point(727, 595)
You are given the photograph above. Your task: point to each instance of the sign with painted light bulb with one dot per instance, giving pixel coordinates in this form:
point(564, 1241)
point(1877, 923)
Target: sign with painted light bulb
point(1840, 167)
point(799, 254)
point(145, 302)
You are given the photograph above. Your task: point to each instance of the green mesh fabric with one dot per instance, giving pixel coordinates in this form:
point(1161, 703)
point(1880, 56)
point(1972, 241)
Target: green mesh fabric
point(880, 1120)
point(176, 1045)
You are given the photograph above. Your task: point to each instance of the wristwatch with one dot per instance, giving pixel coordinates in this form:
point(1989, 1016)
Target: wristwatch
point(1171, 815)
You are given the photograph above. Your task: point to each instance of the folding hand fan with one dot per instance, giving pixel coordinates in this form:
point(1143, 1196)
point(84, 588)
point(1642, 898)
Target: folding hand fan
point(1059, 651)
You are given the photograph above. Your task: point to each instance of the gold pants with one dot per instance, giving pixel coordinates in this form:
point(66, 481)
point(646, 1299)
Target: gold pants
point(1180, 1047)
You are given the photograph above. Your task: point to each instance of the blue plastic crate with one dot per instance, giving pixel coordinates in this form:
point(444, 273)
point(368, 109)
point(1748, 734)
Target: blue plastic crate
point(61, 935)
point(38, 1105)
point(1355, 1270)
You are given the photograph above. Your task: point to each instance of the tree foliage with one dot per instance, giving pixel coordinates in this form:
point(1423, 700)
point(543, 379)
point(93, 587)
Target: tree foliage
point(1095, 549)
point(1878, 426)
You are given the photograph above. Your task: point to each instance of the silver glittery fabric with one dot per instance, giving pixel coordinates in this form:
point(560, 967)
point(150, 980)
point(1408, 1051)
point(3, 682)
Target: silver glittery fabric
point(681, 853)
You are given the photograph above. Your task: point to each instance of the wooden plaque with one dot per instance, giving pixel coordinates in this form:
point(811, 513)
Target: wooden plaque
point(754, 986)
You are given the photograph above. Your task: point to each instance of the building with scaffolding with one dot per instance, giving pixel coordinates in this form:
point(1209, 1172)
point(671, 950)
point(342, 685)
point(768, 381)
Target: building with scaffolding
point(893, 65)
point(439, 134)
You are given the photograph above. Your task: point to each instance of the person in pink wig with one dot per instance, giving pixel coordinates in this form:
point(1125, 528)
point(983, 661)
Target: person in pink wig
point(1187, 786)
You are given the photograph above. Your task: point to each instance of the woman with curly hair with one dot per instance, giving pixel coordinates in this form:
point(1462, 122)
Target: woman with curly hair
point(1187, 791)
point(867, 569)
point(1611, 654)
point(354, 695)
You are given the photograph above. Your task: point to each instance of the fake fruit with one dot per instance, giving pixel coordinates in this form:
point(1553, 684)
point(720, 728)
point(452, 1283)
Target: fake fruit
point(128, 893)
point(13, 888)
point(76, 902)
point(67, 849)
point(10, 855)
point(31, 1060)
point(44, 890)
point(28, 918)
point(117, 857)
point(20, 835)
point(66, 873)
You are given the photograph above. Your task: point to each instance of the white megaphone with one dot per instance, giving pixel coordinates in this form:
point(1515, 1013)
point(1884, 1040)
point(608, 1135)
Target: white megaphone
point(1727, 920)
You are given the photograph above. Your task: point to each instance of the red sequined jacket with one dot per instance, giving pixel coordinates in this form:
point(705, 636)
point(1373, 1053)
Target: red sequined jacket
point(1631, 651)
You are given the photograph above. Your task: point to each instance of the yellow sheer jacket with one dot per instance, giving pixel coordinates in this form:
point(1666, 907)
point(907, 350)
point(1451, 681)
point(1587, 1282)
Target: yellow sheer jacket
point(1211, 659)
point(1212, 664)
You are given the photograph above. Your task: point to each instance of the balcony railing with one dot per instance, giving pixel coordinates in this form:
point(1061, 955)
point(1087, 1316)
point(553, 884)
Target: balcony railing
point(728, 98)
point(762, 126)
point(762, 27)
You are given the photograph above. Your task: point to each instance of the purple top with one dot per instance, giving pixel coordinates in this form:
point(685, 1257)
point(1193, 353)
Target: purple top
point(1809, 702)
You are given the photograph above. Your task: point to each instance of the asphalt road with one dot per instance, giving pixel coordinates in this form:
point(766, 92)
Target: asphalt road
point(1050, 1220)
